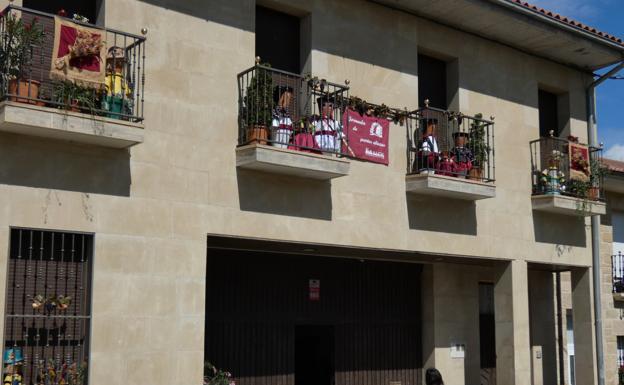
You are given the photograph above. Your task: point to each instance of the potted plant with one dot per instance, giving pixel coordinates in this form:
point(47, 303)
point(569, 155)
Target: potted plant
point(74, 97)
point(214, 376)
point(258, 105)
point(477, 143)
point(16, 57)
point(598, 172)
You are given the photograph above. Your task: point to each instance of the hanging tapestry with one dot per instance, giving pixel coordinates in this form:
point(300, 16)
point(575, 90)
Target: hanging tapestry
point(78, 54)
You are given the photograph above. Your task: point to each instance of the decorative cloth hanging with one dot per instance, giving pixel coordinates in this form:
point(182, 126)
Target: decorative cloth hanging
point(78, 54)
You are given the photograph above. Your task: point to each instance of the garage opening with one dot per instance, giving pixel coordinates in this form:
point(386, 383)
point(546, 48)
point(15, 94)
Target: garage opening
point(285, 319)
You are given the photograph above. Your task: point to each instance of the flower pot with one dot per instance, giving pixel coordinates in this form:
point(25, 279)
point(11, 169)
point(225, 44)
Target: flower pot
point(593, 193)
point(476, 173)
point(74, 106)
point(113, 104)
point(257, 134)
point(24, 89)
point(280, 137)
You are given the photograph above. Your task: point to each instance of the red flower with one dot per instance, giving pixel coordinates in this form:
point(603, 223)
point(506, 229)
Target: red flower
point(62, 13)
point(27, 27)
point(35, 20)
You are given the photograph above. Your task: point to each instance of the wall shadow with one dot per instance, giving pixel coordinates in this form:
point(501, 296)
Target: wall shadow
point(284, 195)
point(441, 214)
point(559, 229)
point(234, 13)
point(52, 164)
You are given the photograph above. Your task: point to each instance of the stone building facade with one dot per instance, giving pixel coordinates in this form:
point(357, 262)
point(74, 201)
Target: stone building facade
point(167, 205)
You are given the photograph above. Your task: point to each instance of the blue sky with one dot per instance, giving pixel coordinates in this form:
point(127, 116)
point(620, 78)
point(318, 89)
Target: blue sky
point(607, 16)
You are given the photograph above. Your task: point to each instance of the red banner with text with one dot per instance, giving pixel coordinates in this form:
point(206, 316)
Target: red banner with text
point(367, 137)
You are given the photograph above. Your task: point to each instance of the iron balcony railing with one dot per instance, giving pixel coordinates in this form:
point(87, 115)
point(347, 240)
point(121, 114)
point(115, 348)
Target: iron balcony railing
point(617, 272)
point(27, 40)
point(291, 111)
point(451, 144)
point(566, 167)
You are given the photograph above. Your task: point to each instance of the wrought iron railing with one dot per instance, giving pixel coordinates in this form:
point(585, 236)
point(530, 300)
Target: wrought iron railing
point(451, 144)
point(566, 167)
point(291, 111)
point(617, 272)
point(48, 306)
point(27, 45)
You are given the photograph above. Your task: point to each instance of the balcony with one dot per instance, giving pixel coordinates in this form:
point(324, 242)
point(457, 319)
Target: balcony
point(567, 177)
point(69, 80)
point(450, 155)
point(617, 270)
point(292, 125)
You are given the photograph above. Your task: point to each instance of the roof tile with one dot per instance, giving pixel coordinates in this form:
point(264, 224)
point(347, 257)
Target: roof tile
point(571, 22)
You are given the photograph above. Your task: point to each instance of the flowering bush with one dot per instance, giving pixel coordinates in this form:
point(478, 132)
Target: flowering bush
point(214, 376)
point(19, 38)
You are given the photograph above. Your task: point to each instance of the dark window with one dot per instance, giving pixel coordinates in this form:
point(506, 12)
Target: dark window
point(277, 39)
point(548, 113)
point(432, 82)
point(85, 8)
point(48, 303)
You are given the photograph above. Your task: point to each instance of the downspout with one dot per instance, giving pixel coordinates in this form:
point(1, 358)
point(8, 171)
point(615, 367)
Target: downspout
point(559, 328)
point(592, 132)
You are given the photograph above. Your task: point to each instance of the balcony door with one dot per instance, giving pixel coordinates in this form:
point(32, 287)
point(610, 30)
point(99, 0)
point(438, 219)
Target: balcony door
point(91, 9)
point(278, 39)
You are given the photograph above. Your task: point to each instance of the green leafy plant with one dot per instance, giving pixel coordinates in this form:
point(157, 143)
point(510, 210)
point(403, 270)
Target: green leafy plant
point(70, 94)
point(18, 40)
point(598, 171)
point(214, 376)
point(259, 98)
point(477, 141)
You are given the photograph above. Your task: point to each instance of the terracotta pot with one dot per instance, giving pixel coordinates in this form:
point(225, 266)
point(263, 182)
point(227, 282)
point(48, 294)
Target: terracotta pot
point(476, 173)
point(593, 193)
point(257, 134)
point(21, 89)
point(73, 106)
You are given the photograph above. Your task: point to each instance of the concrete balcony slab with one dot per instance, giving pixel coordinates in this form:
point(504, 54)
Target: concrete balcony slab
point(448, 186)
point(566, 205)
point(53, 123)
point(618, 297)
point(288, 162)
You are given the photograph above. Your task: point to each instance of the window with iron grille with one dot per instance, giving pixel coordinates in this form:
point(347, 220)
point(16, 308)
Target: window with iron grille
point(620, 351)
point(48, 306)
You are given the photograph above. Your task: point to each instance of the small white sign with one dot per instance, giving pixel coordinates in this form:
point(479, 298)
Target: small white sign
point(458, 350)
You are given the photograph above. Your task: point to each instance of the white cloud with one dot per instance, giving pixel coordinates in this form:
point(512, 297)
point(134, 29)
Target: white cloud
point(615, 152)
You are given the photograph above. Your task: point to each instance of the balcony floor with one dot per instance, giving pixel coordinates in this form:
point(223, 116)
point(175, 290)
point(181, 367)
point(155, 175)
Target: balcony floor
point(448, 186)
point(53, 123)
point(566, 205)
point(288, 162)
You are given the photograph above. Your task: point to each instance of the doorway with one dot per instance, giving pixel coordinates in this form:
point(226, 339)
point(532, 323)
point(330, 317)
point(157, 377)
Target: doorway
point(487, 335)
point(91, 9)
point(314, 355)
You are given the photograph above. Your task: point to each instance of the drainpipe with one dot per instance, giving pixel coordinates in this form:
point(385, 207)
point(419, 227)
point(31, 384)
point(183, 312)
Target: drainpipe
point(592, 132)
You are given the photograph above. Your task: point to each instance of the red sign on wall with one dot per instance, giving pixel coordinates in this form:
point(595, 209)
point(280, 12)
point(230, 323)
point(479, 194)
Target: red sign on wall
point(367, 137)
point(315, 289)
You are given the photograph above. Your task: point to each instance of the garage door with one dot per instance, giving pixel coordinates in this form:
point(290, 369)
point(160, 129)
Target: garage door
point(279, 319)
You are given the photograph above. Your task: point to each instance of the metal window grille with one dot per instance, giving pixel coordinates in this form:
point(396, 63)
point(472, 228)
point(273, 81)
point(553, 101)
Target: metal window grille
point(617, 270)
point(291, 111)
point(552, 174)
point(48, 303)
point(620, 351)
point(450, 144)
